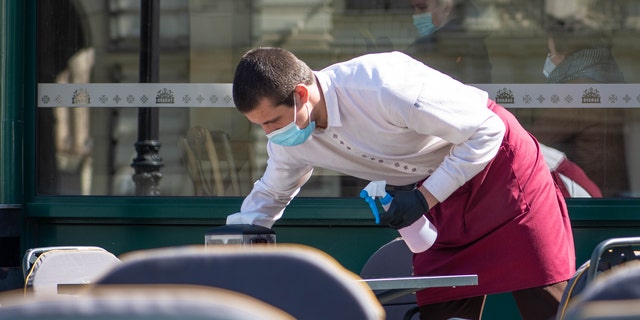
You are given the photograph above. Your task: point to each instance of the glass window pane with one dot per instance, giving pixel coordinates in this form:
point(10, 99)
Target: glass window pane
point(499, 46)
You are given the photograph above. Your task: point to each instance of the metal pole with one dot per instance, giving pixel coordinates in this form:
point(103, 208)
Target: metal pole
point(147, 164)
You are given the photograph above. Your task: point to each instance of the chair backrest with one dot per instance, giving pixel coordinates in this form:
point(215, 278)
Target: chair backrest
point(51, 270)
point(210, 162)
point(606, 255)
point(302, 281)
point(612, 252)
point(619, 284)
point(158, 302)
point(393, 260)
point(608, 310)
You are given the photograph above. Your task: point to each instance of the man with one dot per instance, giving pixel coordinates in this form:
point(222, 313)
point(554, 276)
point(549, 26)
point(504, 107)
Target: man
point(480, 177)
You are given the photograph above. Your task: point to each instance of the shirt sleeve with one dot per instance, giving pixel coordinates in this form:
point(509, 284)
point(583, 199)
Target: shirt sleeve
point(432, 103)
point(279, 184)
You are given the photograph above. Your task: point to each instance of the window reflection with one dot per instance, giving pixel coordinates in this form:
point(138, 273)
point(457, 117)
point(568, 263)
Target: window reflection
point(124, 24)
point(580, 51)
point(64, 143)
point(449, 41)
point(88, 151)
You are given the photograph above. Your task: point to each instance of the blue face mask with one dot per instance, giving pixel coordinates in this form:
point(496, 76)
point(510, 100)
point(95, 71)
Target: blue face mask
point(291, 134)
point(424, 23)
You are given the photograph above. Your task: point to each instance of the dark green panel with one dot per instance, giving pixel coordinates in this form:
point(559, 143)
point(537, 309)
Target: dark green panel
point(343, 228)
point(12, 70)
point(118, 238)
point(501, 306)
point(587, 239)
point(11, 101)
point(351, 246)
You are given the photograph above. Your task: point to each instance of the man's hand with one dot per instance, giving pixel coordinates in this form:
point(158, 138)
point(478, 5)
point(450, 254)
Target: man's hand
point(254, 218)
point(406, 208)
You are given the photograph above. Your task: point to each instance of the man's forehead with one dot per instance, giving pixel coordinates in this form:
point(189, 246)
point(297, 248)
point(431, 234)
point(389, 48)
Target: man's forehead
point(266, 111)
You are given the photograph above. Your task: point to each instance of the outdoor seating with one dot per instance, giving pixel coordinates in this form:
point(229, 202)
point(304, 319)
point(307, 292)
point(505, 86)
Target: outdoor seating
point(615, 294)
point(63, 269)
point(302, 281)
point(378, 266)
point(607, 255)
point(131, 302)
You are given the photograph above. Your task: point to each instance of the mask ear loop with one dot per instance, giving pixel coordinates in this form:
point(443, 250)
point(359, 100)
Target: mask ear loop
point(295, 111)
point(295, 106)
point(295, 118)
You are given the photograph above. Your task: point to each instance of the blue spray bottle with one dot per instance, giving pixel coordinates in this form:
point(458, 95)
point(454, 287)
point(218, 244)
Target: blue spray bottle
point(419, 236)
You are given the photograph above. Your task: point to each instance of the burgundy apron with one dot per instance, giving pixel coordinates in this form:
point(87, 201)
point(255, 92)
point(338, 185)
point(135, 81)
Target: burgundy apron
point(509, 225)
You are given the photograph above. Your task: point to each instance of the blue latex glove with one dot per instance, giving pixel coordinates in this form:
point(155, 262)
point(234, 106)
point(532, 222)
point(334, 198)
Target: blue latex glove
point(406, 208)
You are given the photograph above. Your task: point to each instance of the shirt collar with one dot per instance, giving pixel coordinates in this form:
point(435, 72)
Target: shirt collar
point(330, 98)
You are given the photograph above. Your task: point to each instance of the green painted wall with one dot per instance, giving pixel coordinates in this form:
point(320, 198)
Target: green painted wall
point(343, 228)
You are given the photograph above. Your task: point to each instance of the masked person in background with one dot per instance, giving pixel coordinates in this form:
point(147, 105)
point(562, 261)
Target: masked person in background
point(593, 138)
point(478, 176)
point(579, 53)
point(446, 44)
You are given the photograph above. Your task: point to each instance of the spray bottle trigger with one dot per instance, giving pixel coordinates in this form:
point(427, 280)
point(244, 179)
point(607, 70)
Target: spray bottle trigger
point(386, 201)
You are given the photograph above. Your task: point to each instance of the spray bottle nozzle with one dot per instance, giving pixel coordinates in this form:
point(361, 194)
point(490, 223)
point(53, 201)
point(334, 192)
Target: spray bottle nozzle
point(375, 189)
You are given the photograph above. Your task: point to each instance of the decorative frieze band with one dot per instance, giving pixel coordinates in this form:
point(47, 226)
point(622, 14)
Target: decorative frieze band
point(564, 95)
point(184, 95)
point(218, 95)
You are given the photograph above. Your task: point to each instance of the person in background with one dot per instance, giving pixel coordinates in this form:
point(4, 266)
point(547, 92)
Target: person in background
point(439, 22)
point(593, 138)
point(579, 53)
point(477, 175)
point(446, 44)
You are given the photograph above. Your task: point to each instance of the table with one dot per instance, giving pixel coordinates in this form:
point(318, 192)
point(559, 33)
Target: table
point(392, 288)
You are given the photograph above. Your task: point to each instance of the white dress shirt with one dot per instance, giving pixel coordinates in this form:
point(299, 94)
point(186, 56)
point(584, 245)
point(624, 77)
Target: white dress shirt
point(390, 118)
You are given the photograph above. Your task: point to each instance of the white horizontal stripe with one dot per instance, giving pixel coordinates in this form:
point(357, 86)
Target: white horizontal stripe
point(588, 95)
point(218, 95)
point(189, 95)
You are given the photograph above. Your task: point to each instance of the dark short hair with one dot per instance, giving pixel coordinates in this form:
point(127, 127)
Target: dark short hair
point(271, 73)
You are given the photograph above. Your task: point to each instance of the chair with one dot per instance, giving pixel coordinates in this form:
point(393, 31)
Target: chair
point(202, 149)
point(613, 295)
point(606, 255)
point(302, 281)
point(53, 270)
point(608, 310)
point(392, 260)
point(158, 302)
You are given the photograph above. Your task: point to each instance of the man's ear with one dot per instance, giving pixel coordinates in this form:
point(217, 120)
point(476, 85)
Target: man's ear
point(303, 93)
